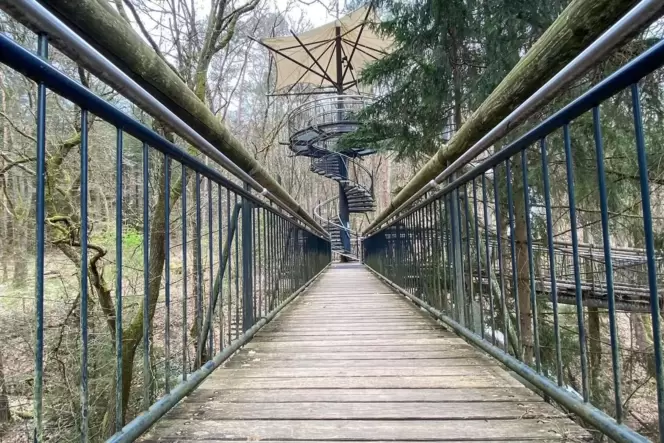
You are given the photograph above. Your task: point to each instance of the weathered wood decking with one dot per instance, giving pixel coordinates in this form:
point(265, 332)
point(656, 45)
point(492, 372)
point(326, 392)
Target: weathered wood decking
point(350, 360)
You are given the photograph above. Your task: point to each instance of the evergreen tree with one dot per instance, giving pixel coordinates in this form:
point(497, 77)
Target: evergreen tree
point(448, 57)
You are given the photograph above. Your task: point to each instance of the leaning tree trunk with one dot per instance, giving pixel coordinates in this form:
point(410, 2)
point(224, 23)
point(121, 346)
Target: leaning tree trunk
point(578, 25)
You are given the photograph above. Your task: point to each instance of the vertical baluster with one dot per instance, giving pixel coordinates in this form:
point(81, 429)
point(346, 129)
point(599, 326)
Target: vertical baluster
point(501, 269)
point(266, 271)
point(247, 258)
point(220, 271)
point(254, 295)
point(40, 216)
point(119, 416)
point(423, 253)
point(531, 264)
point(185, 292)
point(489, 267)
point(478, 263)
point(237, 276)
point(84, 276)
point(210, 330)
point(445, 237)
point(650, 254)
point(515, 277)
point(413, 260)
point(416, 259)
point(471, 289)
point(552, 260)
point(271, 260)
point(146, 280)
point(259, 258)
point(576, 264)
point(283, 256)
point(199, 269)
point(440, 262)
point(229, 233)
point(457, 259)
point(167, 271)
point(608, 263)
point(418, 237)
point(431, 250)
point(398, 261)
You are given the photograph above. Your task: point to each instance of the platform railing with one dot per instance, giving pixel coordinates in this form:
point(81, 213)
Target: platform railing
point(328, 110)
point(217, 261)
point(468, 254)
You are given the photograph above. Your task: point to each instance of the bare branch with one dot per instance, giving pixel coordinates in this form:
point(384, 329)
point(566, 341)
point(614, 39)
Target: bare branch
point(148, 37)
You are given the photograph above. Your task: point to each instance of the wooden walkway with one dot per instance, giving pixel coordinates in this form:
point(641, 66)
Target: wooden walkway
point(352, 361)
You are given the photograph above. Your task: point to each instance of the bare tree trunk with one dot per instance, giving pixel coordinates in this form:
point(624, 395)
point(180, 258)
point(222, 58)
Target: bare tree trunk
point(522, 266)
point(5, 414)
point(644, 341)
point(20, 261)
point(594, 325)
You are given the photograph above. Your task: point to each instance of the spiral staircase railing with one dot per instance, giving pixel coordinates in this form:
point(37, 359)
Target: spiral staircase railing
point(313, 131)
point(358, 188)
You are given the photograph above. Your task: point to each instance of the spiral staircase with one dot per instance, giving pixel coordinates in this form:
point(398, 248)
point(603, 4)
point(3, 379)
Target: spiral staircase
point(314, 129)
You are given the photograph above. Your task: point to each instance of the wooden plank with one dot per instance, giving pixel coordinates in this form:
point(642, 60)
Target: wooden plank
point(217, 410)
point(353, 333)
point(231, 394)
point(368, 363)
point(352, 356)
point(410, 382)
point(374, 336)
point(253, 430)
point(211, 440)
point(431, 343)
point(357, 372)
point(313, 347)
point(321, 329)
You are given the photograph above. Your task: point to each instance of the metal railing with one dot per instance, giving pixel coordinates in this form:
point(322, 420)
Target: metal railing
point(218, 262)
point(326, 111)
point(469, 254)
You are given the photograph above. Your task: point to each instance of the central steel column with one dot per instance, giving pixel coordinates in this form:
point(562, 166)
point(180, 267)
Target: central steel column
point(344, 215)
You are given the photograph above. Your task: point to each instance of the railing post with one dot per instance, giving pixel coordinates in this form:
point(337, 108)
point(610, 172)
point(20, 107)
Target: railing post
point(247, 267)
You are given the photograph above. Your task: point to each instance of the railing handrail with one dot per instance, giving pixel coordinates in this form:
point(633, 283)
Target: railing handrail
point(632, 20)
point(54, 28)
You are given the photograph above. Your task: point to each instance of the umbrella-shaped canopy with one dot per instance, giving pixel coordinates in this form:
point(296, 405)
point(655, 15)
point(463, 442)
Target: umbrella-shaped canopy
point(311, 57)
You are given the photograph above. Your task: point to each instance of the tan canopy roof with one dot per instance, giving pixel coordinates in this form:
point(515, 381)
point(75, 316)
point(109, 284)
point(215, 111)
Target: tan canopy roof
point(310, 57)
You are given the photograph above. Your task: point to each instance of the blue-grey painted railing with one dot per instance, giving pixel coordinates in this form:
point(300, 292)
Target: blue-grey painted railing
point(260, 260)
point(484, 254)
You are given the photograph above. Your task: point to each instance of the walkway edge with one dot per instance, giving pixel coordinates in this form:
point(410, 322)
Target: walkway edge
point(143, 422)
point(590, 414)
